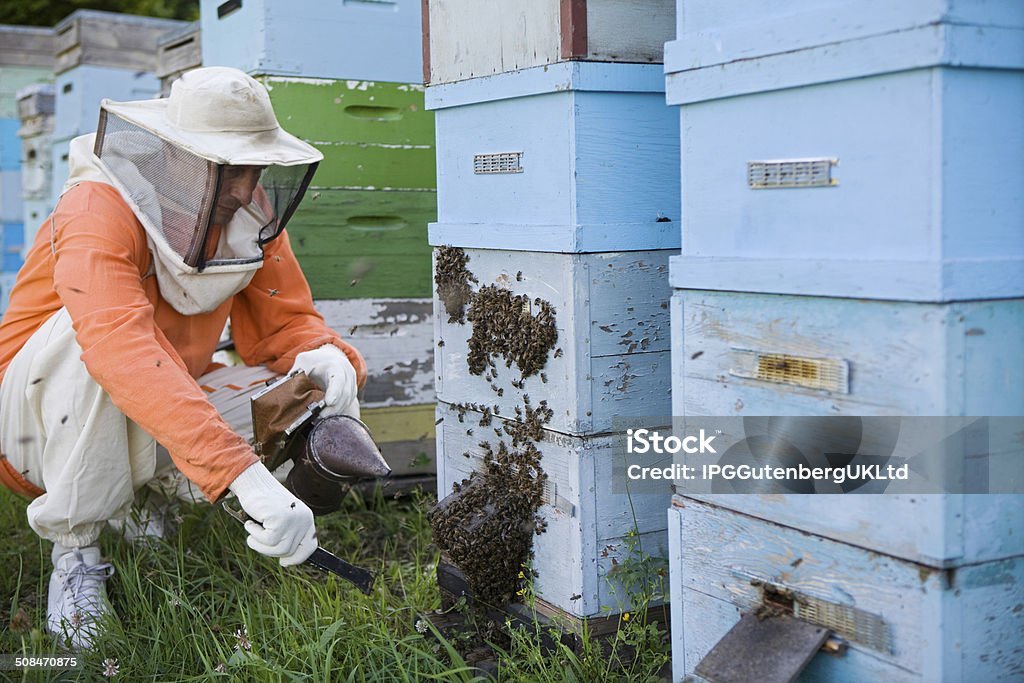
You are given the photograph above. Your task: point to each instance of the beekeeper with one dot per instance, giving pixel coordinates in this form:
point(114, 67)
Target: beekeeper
point(172, 219)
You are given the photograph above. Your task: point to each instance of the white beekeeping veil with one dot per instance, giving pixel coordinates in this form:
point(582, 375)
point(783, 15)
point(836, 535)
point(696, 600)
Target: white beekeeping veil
point(210, 174)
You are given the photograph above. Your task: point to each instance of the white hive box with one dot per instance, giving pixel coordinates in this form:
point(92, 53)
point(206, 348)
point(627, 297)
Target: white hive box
point(35, 111)
point(373, 40)
point(472, 38)
point(80, 90)
point(883, 167)
point(571, 157)
point(177, 52)
point(110, 39)
point(741, 354)
point(59, 157)
point(902, 621)
point(588, 518)
point(713, 32)
point(611, 314)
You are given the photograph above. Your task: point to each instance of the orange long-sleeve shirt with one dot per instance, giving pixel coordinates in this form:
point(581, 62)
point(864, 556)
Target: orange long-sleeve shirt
point(144, 353)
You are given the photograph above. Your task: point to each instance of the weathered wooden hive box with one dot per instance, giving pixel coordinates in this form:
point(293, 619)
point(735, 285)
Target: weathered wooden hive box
point(375, 40)
point(765, 354)
point(589, 517)
point(35, 111)
point(612, 355)
point(844, 149)
point(902, 621)
point(26, 59)
point(468, 38)
point(100, 55)
point(177, 51)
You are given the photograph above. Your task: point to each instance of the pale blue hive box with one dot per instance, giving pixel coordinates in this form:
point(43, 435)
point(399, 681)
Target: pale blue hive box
point(362, 39)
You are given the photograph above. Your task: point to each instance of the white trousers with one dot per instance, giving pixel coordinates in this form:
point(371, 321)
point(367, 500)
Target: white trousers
point(60, 429)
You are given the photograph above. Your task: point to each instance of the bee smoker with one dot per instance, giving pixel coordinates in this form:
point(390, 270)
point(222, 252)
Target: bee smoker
point(329, 453)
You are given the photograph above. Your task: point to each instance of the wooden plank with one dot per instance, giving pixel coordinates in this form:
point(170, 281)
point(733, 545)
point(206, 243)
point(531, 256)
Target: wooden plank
point(629, 30)
point(396, 339)
point(573, 27)
point(364, 244)
point(355, 111)
point(26, 46)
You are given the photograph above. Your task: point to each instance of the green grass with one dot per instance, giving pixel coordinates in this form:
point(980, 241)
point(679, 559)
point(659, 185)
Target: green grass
point(181, 601)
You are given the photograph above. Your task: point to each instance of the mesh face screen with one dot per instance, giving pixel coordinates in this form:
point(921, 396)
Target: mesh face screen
point(168, 184)
point(284, 187)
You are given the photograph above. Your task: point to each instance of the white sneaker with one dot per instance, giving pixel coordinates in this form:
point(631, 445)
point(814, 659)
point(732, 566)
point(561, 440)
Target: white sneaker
point(78, 596)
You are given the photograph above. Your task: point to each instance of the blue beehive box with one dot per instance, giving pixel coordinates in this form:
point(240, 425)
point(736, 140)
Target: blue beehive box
point(897, 621)
point(739, 354)
point(10, 195)
point(883, 166)
point(366, 39)
point(572, 157)
point(80, 90)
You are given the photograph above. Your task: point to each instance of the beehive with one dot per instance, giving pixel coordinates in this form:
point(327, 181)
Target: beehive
point(901, 621)
point(881, 165)
point(589, 518)
point(466, 39)
point(573, 157)
point(177, 51)
point(109, 39)
point(375, 40)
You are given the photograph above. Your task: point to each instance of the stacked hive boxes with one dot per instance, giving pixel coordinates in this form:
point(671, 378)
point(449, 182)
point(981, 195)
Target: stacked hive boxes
point(100, 55)
point(852, 245)
point(347, 79)
point(176, 52)
point(26, 58)
point(558, 181)
point(35, 110)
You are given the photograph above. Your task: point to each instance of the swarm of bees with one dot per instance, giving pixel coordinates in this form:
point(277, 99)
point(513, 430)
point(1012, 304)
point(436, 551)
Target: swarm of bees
point(453, 282)
point(486, 526)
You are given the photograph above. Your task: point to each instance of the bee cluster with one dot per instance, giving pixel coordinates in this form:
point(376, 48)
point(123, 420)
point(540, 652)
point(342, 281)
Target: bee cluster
point(486, 525)
point(453, 282)
point(503, 325)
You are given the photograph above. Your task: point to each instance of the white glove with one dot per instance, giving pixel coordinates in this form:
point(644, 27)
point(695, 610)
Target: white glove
point(329, 367)
point(281, 525)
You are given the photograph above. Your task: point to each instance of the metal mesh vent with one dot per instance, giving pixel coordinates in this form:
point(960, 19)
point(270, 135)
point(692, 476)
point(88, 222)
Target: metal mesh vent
point(827, 374)
point(851, 623)
point(783, 173)
point(501, 162)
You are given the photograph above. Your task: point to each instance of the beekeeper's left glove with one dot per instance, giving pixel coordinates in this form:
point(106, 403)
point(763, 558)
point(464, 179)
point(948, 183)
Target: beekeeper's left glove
point(329, 367)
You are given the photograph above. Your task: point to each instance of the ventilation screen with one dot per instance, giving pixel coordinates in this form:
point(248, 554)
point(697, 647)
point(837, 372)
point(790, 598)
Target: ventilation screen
point(502, 162)
point(779, 368)
point(766, 175)
point(851, 623)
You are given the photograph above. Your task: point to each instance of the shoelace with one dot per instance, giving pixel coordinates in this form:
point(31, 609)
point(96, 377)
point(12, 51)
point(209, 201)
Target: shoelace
point(82, 580)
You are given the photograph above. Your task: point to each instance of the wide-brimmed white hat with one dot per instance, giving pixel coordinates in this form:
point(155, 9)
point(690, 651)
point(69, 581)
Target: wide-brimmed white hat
point(220, 114)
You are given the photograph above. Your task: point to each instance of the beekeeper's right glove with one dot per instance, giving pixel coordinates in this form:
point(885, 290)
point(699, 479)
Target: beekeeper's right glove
point(281, 525)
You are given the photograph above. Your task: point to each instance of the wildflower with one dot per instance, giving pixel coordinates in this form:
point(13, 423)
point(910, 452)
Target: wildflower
point(625, 616)
point(110, 668)
point(220, 668)
point(522, 575)
point(421, 626)
point(521, 591)
point(243, 640)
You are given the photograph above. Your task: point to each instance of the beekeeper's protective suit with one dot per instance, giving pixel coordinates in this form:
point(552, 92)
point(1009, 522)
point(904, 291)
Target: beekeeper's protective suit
point(172, 220)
